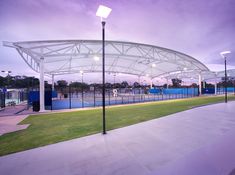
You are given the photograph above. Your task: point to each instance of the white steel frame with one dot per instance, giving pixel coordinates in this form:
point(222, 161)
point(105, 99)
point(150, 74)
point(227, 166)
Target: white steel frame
point(139, 56)
point(202, 76)
point(57, 57)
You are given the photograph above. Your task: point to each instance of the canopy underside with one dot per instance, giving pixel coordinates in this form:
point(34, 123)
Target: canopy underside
point(73, 56)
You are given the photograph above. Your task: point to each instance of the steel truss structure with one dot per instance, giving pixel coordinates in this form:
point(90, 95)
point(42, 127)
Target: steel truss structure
point(57, 57)
point(73, 56)
point(206, 75)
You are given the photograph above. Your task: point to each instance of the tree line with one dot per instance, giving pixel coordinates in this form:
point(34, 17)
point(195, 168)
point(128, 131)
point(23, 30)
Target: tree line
point(33, 83)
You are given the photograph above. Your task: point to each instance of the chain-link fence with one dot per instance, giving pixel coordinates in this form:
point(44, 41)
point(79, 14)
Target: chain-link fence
point(12, 97)
point(91, 96)
point(2, 99)
point(71, 97)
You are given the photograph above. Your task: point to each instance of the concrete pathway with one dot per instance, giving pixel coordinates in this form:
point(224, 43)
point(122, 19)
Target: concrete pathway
point(12, 110)
point(10, 124)
point(198, 141)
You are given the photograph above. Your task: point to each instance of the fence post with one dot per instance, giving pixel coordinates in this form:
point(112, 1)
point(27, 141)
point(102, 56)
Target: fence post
point(70, 97)
point(187, 92)
point(51, 98)
point(82, 97)
point(234, 87)
point(94, 95)
point(109, 96)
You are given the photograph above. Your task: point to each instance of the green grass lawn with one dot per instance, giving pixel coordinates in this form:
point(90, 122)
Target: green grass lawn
point(52, 128)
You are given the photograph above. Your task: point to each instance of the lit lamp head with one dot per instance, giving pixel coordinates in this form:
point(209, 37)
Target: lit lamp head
point(103, 12)
point(81, 72)
point(153, 65)
point(224, 53)
point(96, 58)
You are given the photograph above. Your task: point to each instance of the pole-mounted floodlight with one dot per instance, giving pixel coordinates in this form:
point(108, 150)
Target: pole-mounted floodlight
point(224, 55)
point(103, 12)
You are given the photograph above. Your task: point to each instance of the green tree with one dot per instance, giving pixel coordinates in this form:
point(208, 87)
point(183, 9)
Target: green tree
point(124, 84)
point(136, 85)
point(176, 83)
point(62, 83)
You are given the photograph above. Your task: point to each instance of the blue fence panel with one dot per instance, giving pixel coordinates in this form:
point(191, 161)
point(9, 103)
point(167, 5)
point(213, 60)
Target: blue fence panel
point(173, 91)
point(54, 94)
point(186, 91)
point(155, 91)
point(193, 91)
point(229, 89)
point(208, 90)
point(34, 96)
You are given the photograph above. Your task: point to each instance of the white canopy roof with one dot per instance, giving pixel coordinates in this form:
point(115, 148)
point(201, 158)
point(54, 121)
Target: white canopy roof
point(73, 56)
point(206, 75)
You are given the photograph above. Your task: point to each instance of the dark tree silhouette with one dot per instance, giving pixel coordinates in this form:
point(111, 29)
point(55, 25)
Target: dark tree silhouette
point(176, 82)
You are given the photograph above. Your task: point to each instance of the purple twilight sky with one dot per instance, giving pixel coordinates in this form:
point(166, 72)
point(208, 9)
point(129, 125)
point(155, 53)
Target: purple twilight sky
point(200, 28)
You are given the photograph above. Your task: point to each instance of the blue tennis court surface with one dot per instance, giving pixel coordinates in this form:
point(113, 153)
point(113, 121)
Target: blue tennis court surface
point(91, 99)
point(97, 101)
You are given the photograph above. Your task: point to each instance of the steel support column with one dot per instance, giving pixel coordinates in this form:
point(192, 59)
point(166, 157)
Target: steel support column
point(151, 83)
point(215, 87)
point(42, 86)
point(53, 82)
point(200, 84)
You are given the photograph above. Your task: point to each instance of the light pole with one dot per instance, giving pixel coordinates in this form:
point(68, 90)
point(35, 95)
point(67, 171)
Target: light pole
point(103, 12)
point(223, 54)
point(5, 88)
